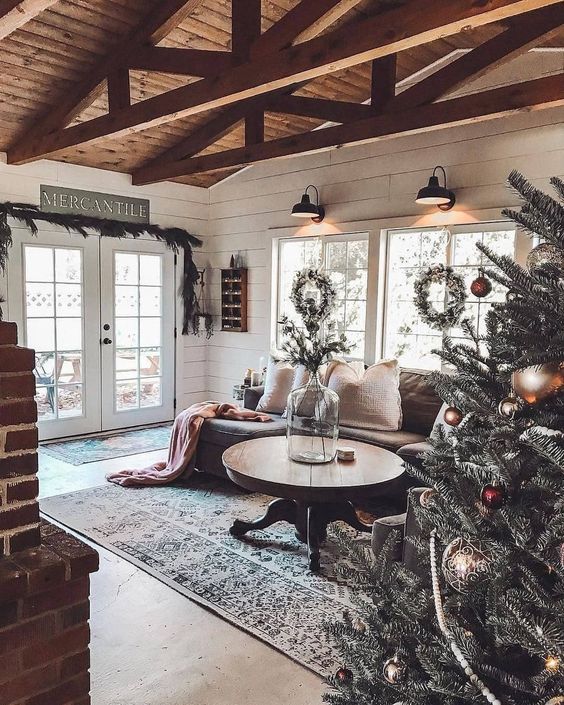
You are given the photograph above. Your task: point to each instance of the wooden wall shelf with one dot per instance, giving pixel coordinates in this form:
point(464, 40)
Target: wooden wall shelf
point(234, 300)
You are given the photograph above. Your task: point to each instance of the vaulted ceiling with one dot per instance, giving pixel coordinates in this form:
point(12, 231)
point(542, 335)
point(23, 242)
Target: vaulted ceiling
point(94, 63)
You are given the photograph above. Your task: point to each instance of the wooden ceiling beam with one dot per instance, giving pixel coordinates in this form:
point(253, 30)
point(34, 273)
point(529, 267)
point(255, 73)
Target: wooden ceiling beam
point(119, 90)
point(304, 21)
point(246, 18)
point(329, 110)
point(383, 81)
point(405, 27)
point(154, 27)
point(498, 102)
point(16, 13)
point(184, 62)
point(524, 32)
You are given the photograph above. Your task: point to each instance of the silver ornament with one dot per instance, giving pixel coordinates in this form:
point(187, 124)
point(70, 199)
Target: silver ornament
point(556, 700)
point(466, 563)
point(508, 407)
point(545, 253)
point(394, 670)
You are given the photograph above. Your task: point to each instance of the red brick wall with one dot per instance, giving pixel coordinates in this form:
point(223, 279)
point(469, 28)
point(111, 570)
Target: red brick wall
point(19, 511)
point(44, 572)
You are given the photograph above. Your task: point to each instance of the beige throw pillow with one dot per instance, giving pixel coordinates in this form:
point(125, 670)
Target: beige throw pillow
point(371, 400)
point(277, 386)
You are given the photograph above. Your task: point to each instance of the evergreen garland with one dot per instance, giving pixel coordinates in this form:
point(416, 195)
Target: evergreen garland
point(176, 239)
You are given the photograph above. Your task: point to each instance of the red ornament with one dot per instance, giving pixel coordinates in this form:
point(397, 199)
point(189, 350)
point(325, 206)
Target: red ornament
point(453, 416)
point(481, 286)
point(493, 496)
point(345, 675)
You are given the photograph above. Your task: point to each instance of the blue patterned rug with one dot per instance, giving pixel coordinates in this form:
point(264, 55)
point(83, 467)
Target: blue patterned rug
point(115, 445)
point(261, 583)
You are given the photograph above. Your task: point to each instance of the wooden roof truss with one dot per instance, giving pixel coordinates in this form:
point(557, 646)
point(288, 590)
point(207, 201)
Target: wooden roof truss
point(263, 71)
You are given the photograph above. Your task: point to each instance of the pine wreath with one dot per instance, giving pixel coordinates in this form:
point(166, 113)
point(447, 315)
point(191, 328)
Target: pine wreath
point(307, 306)
point(456, 291)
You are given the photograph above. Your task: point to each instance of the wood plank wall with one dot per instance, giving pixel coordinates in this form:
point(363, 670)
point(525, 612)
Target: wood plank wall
point(369, 188)
point(171, 205)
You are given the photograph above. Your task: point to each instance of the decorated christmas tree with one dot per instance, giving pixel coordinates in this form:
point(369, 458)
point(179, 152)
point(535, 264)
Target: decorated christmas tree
point(483, 621)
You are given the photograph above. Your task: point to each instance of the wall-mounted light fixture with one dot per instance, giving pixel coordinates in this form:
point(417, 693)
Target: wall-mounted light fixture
point(306, 209)
point(435, 194)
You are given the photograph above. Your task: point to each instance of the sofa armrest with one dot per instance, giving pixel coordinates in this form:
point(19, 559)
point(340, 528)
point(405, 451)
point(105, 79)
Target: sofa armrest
point(383, 528)
point(251, 397)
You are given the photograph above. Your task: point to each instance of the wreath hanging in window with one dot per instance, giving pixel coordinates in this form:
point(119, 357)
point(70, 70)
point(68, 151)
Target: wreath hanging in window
point(454, 306)
point(306, 302)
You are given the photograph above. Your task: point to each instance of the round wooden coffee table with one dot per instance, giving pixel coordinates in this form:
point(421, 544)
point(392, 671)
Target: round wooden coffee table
point(310, 496)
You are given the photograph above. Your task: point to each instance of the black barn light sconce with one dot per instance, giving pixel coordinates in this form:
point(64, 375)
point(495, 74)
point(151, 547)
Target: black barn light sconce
point(435, 194)
point(306, 209)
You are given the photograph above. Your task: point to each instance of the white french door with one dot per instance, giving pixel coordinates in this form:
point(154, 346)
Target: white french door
point(137, 333)
point(100, 316)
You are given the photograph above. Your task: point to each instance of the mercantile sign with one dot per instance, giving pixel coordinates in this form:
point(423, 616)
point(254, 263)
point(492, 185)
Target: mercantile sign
point(60, 199)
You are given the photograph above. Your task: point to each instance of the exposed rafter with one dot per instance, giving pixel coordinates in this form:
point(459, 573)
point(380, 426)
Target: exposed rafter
point(154, 27)
point(405, 27)
point(186, 62)
point(328, 110)
point(539, 93)
point(16, 13)
point(305, 21)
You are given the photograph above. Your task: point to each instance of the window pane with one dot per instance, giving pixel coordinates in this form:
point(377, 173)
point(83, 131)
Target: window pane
point(150, 362)
point(127, 268)
point(150, 332)
point(127, 395)
point(126, 332)
point(69, 367)
point(38, 264)
point(45, 399)
point(69, 333)
point(69, 299)
point(127, 364)
point(41, 334)
point(150, 301)
point(127, 300)
point(69, 400)
point(40, 300)
point(358, 254)
point(150, 269)
point(68, 265)
point(150, 391)
point(337, 255)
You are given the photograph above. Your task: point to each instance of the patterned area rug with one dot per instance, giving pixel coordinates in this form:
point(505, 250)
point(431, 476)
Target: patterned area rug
point(180, 535)
point(115, 445)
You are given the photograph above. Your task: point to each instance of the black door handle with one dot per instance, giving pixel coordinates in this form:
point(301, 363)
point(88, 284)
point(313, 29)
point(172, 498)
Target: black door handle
point(107, 341)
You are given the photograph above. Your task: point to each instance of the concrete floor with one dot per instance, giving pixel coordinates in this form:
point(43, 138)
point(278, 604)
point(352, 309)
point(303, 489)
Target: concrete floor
point(153, 646)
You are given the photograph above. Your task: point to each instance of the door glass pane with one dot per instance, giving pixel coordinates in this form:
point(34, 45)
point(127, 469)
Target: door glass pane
point(54, 328)
point(138, 325)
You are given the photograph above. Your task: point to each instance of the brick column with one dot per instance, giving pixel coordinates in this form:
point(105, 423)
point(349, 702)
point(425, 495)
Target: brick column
point(44, 572)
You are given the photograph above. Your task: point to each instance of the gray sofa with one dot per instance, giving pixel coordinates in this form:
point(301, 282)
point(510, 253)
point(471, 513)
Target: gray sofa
point(420, 406)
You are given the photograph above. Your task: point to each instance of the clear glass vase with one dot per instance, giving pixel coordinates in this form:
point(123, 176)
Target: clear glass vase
point(312, 425)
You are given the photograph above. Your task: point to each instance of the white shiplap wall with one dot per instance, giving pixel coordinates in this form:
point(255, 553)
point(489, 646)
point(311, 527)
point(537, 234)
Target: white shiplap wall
point(171, 205)
point(370, 188)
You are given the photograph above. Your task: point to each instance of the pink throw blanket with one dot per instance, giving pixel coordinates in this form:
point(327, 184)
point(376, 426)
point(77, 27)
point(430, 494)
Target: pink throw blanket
point(183, 443)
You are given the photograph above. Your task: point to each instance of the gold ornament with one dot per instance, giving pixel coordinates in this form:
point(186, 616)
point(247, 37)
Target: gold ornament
point(533, 384)
point(556, 700)
point(552, 663)
point(508, 407)
point(466, 563)
point(394, 670)
point(545, 253)
point(426, 498)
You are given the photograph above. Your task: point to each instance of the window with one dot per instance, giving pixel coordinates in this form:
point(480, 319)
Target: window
point(345, 259)
point(406, 336)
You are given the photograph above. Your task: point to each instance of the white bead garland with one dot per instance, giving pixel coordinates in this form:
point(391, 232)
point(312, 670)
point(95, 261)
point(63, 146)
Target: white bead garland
point(472, 677)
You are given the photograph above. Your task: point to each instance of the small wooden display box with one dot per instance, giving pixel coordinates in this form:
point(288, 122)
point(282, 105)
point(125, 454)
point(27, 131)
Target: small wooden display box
point(234, 300)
